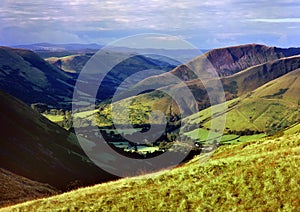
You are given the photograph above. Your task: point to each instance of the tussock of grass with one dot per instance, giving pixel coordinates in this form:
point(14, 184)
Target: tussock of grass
point(251, 176)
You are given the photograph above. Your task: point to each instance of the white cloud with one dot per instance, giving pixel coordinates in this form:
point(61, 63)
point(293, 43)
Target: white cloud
point(276, 20)
point(206, 20)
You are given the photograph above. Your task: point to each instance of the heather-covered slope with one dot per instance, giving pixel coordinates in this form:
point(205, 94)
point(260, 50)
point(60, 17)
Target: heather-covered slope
point(28, 77)
point(15, 189)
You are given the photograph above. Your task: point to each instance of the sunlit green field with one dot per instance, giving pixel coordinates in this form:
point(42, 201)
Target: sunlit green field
point(293, 129)
point(54, 118)
point(203, 134)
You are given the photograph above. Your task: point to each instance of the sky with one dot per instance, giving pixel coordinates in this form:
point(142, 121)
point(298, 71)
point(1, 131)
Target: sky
point(204, 23)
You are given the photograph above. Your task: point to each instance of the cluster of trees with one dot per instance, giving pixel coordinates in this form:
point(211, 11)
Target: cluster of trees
point(191, 127)
point(244, 132)
point(67, 121)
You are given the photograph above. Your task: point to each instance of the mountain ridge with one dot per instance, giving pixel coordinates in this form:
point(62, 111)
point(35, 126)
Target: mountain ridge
point(224, 62)
point(28, 77)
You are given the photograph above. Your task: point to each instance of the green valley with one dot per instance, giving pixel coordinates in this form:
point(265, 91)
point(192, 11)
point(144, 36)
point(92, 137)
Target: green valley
point(239, 151)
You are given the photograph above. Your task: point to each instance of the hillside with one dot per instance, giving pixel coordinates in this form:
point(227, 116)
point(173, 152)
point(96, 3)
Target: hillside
point(28, 77)
point(272, 107)
point(71, 63)
point(252, 176)
point(35, 148)
point(15, 189)
point(269, 109)
point(254, 65)
point(256, 76)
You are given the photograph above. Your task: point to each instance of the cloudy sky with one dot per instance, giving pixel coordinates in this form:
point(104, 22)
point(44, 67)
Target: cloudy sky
point(204, 23)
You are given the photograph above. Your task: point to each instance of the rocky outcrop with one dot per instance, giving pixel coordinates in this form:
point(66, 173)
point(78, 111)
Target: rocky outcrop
point(228, 61)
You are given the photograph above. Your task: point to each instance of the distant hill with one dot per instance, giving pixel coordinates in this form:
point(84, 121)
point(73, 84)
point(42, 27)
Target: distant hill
point(71, 63)
point(15, 189)
point(224, 61)
point(47, 50)
point(33, 147)
point(28, 77)
point(121, 71)
point(74, 63)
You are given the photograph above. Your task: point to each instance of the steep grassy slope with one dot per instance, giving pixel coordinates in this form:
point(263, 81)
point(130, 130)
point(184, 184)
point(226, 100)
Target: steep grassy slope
point(28, 77)
point(254, 77)
point(258, 64)
point(15, 189)
point(253, 176)
point(34, 147)
point(271, 108)
point(70, 63)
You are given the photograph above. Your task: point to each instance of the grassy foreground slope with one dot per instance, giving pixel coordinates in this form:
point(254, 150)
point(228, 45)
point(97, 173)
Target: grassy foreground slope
point(253, 176)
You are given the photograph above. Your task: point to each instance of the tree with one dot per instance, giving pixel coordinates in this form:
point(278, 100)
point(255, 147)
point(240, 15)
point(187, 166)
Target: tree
point(39, 107)
point(58, 63)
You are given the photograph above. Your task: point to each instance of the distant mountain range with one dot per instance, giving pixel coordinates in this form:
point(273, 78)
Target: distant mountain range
point(59, 47)
point(47, 50)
